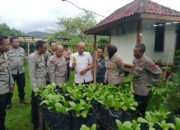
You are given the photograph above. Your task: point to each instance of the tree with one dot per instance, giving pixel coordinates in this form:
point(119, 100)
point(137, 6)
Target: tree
point(74, 27)
point(7, 31)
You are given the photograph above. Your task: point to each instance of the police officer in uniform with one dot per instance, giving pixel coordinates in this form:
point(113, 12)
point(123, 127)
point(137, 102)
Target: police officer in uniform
point(6, 82)
point(114, 67)
point(16, 56)
point(145, 72)
point(37, 74)
point(49, 52)
point(57, 67)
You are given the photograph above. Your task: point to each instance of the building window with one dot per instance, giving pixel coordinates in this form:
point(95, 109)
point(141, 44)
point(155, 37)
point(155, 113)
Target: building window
point(159, 37)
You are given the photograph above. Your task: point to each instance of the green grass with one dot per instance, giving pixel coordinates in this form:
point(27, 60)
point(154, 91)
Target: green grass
point(19, 116)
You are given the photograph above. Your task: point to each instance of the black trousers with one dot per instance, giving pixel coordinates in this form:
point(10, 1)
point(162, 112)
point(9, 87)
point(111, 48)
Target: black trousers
point(68, 72)
point(20, 80)
point(34, 111)
point(85, 83)
point(3, 102)
point(142, 104)
point(100, 80)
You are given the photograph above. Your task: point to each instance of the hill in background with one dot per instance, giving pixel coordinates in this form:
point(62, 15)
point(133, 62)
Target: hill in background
point(38, 34)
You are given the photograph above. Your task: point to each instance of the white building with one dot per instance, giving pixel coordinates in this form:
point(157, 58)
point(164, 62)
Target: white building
point(142, 21)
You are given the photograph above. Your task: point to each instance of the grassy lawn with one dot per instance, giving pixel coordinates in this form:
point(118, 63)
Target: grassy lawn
point(19, 116)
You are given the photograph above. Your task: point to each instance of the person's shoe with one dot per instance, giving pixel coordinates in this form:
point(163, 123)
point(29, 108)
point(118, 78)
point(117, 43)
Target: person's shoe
point(22, 101)
point(8, 106)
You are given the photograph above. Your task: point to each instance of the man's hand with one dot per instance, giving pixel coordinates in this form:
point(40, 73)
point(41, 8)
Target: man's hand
point(74, 64)
point(119, 62)
point(11, 88)
point(83, 71)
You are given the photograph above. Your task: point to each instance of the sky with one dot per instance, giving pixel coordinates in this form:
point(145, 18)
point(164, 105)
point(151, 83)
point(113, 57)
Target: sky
point(41, 15)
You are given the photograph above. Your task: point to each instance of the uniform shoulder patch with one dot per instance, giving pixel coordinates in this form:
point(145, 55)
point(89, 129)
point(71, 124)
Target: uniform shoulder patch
point(141, 62)
point(153, 66)
point(51, 60)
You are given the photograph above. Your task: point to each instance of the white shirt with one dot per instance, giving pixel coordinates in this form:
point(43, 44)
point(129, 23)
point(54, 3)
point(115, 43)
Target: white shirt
point(82, 61)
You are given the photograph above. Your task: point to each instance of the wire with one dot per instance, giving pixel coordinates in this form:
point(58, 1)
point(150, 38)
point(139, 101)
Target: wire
point(83, 8)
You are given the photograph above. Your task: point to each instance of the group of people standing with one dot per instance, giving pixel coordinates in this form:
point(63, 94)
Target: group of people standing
point(53, 66)
point(110, 69)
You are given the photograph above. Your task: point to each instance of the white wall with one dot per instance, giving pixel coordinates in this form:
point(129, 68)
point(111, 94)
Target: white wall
point(148, 38)
point(125, 42)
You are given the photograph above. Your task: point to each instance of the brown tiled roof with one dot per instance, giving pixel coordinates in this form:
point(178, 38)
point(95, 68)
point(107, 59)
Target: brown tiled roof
point(136, 7)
